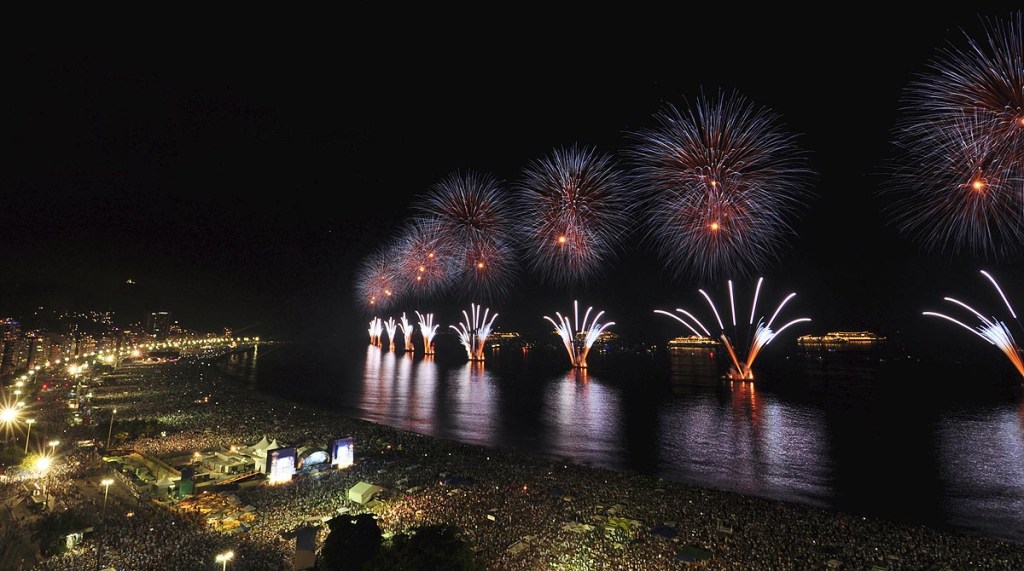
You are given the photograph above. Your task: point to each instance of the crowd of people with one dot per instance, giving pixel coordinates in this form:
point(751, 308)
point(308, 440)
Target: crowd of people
point(517, 512)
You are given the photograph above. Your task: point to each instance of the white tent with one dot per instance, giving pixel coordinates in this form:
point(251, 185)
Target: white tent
point(273, 446)
point(261, 445)
point(363, 492)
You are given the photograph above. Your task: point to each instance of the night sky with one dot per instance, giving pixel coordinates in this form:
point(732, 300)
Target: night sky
point(230, 179)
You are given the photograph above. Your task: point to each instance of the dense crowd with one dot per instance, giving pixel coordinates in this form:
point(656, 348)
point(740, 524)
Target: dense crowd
point(517, 512)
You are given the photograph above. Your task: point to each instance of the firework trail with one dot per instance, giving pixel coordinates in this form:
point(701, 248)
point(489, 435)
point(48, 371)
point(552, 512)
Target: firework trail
point(575, 211)
point(407, 329)
point(471, 212)
point(429, 330)
point(474, 330)
point(722, 183)
point(958, 176)
point(376, 327)
point(377, 283)
point(579, 336)
point(991, 329)
point(759, 338)
point(391, 326)
point(424, 257)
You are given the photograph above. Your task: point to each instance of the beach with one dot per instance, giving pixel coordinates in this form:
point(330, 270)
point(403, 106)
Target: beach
point(516, 511)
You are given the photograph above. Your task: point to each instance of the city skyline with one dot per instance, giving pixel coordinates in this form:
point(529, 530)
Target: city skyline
point(231, 194)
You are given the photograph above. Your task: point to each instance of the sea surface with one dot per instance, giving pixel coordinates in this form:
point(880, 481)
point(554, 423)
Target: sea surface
point(861, 432)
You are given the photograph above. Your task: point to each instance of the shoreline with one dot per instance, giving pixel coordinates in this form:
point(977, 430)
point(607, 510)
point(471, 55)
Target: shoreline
point(546, 513)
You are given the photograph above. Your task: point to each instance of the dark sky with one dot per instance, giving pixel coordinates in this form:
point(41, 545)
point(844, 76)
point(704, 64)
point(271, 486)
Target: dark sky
point(230, 179)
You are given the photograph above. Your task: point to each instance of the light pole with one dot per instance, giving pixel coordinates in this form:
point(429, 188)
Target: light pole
point(106, 489)
point(53, 444)
point(224, 558)
point(29, 422)
point(43, 467)
point(8, 416)
point(105, 482)
point(110, 431)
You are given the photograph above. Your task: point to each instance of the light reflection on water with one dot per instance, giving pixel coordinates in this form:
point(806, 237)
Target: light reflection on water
point(982, 469)
point(841, 433)
point(581, 418)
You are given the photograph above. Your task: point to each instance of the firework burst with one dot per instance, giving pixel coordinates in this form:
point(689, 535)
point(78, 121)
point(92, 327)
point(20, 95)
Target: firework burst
point(474, 330)
point(406, 329)
point(579, 336)
point(757, 336)
point(428, 329)
point(722, 184)
point(958, 179)
point(991, 329)
point(375, 330)
point(471, 212)
point(378, 284)
point(390, 326)
point(575, 213)
point(424, 257)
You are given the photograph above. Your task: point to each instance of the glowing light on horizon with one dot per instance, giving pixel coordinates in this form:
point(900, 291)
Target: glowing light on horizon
point(474, 330)
point(428, 329)
point(992, 329)
point(759, 338)
point(579, 336)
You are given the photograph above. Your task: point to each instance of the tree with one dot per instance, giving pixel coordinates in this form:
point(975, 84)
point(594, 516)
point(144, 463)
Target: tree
point(429, 548)
point(351, 543)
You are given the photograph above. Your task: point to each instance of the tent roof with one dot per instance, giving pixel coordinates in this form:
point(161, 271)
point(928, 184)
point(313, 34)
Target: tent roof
point(365, 487)
point(274, 445)
point(262, 444)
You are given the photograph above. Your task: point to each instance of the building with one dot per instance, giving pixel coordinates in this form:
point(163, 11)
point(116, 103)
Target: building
point(38, 349)
point(158, 324)
point(15, 356)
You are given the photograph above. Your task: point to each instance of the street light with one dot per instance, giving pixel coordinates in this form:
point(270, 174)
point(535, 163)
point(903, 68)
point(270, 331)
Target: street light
point(29, 422)
point(43, 467)
point(8, 416)
point(53, 446)
point(106, 489)
point(224, 558)
point(105, 482)
point(110, 431)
